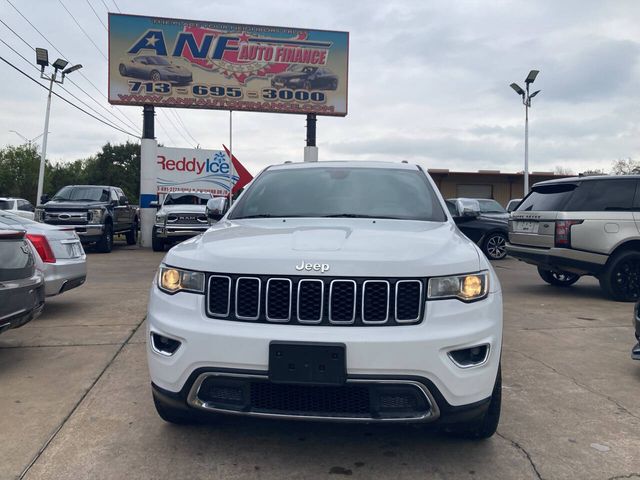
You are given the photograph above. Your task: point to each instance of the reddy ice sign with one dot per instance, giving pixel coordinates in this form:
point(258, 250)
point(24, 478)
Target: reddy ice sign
point(198, 170)
point(185, 63)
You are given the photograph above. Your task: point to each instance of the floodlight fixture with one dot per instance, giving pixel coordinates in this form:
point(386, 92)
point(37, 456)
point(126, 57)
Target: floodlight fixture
point(72, 69)
point(531, 77)
point(534, 93)
point(42, 57)
point(518, 89)
point(59, 64)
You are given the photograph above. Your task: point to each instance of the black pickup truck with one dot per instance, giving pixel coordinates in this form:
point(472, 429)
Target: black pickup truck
point(96, 212)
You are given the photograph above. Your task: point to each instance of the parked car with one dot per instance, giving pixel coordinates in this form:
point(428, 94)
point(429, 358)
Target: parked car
point(19, 206)
point(180, 216)
point(513, 204)
point(582, 226)
point(155, 68)
point(635, 352)
point(489, 233)
point(96, 213)
point(330, 290)
point(21, 283)
point(306, 77)
point(59, 253)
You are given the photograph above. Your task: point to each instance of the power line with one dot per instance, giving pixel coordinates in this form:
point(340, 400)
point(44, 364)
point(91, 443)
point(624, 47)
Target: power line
point(83, 31)
point(114, 2)
point(175, 127)
point(175, 112)
point(61, 86)
point(65, 100)
point(165, 131)
point(105, 5)
point(128, 123)
point(97, 16)
point(127, 119)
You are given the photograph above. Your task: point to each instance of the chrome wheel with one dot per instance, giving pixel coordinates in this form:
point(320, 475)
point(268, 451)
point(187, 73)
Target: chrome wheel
point(496, 246)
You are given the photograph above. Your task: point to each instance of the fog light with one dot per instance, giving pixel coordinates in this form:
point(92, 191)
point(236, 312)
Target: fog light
point(470, 357)
point(164, 345)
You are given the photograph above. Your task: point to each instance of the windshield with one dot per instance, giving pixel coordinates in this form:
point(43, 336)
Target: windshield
point(12, 219)
point(302, 69)
point(82, 194)
point(6, 204)
point(490, 206)
point(187, 199)
point(341, 192)
point(158, 61)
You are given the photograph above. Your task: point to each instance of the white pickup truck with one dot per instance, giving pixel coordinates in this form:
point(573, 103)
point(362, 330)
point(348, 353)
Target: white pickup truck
point(337, 291)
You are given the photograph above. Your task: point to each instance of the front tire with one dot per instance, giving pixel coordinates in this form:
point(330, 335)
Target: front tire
point(105, 244)
point(621, 278)
point(132, 235)
point(157, 244)
point(558, 279)
point(155, 76)
point(495, 246)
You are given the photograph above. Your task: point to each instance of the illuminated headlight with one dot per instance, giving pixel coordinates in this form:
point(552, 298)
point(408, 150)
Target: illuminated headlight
point(469, 287)
point(95, 215)
point(38, 215)
point(173, 280)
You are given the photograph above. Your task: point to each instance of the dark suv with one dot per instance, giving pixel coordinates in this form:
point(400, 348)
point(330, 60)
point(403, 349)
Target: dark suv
point(582, 226)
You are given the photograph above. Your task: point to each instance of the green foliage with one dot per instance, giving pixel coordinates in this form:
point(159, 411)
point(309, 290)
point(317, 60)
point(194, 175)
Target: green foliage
point(117, 165)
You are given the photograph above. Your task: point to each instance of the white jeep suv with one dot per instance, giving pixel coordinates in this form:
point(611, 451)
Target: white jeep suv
point(332, 291)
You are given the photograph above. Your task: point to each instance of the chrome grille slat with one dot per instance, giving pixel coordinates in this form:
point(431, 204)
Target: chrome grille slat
point(316, 300)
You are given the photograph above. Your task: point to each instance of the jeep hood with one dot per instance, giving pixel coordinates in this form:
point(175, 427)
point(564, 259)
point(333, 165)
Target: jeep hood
point(351, 247)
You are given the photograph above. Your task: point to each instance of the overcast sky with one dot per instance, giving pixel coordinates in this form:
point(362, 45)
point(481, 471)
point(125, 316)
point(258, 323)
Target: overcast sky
point(429, 82)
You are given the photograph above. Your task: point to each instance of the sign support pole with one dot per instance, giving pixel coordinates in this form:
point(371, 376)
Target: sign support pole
point(148, 187)
point(231, 169)
point(311, 150)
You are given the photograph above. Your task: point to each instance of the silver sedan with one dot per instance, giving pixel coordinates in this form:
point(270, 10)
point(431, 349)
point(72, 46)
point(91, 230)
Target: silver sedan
point(59, 253)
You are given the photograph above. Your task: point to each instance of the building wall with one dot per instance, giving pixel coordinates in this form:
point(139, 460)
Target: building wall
point(499, 186)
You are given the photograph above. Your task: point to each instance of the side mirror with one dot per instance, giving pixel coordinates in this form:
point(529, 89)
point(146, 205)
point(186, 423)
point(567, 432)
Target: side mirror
point(123, 200)
point(470, 212)
point(44, 198)
point(468, 207)
point(154, 204)
point(216, 208)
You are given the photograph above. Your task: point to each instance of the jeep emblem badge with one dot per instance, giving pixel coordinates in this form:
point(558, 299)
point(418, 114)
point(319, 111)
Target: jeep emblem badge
point(315, 267)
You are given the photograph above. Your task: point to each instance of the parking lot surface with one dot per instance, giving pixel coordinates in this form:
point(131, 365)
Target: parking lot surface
point(76, 401)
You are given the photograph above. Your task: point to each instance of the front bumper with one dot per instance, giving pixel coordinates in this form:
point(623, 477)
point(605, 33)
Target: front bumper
point(565, 259)
point(64, 275)
point(401, 354)
point(87, 233)
point(182, 231)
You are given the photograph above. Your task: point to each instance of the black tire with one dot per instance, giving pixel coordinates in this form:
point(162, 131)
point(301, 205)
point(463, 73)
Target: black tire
point(486, 426)
point(558, 278)
point(105, 244)
point(173, 415)
point(621, 277)
point(307, 85)
point(495, 246)
point(155, 76)
point(157, 244)
point(123, 70)
point(132, 235)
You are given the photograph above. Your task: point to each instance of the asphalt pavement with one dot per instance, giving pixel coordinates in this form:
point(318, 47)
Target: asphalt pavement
point(76, 401)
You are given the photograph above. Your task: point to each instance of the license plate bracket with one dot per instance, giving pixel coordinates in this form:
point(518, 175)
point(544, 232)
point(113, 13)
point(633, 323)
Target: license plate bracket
point(307, 363)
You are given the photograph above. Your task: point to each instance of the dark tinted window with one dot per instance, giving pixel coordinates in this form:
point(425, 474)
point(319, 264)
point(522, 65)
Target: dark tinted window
point(6, 204)
point(16, 260)
point(80, 194)
point(341, 191)
point(490, 206)
point(547, 198)
point(603, 196)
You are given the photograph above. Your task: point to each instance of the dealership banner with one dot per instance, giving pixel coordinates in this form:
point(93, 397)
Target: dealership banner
point(198, 170)
point(226, 66)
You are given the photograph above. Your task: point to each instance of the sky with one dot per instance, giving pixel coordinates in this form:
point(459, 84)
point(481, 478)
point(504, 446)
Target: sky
point(428, 82)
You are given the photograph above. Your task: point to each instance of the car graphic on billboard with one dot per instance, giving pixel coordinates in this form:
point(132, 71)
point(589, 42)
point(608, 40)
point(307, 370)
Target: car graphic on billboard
point(306, 77)
point(155, 68)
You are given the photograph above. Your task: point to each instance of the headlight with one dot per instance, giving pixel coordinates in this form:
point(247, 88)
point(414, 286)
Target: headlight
point(173, 280)
point(38, 215)
point(95, 215)
point(469, 287)
point(160, 217)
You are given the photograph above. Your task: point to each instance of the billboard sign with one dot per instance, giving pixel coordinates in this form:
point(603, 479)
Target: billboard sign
point(226, 66)
point(198, 170)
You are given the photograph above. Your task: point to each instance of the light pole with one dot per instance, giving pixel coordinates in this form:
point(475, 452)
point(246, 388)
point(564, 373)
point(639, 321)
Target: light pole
point(42, 59)
point(526, 101)
point(28, 141)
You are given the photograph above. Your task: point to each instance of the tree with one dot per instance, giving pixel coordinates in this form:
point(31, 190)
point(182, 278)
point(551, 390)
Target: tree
point(19, 168)
point(560, 170)
point(116, 165)
point(595, 171)
point(625, 166)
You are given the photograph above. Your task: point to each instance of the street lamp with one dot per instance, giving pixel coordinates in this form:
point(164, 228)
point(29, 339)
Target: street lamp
point(526, 101)
point(42, 59)
point(28, 141)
